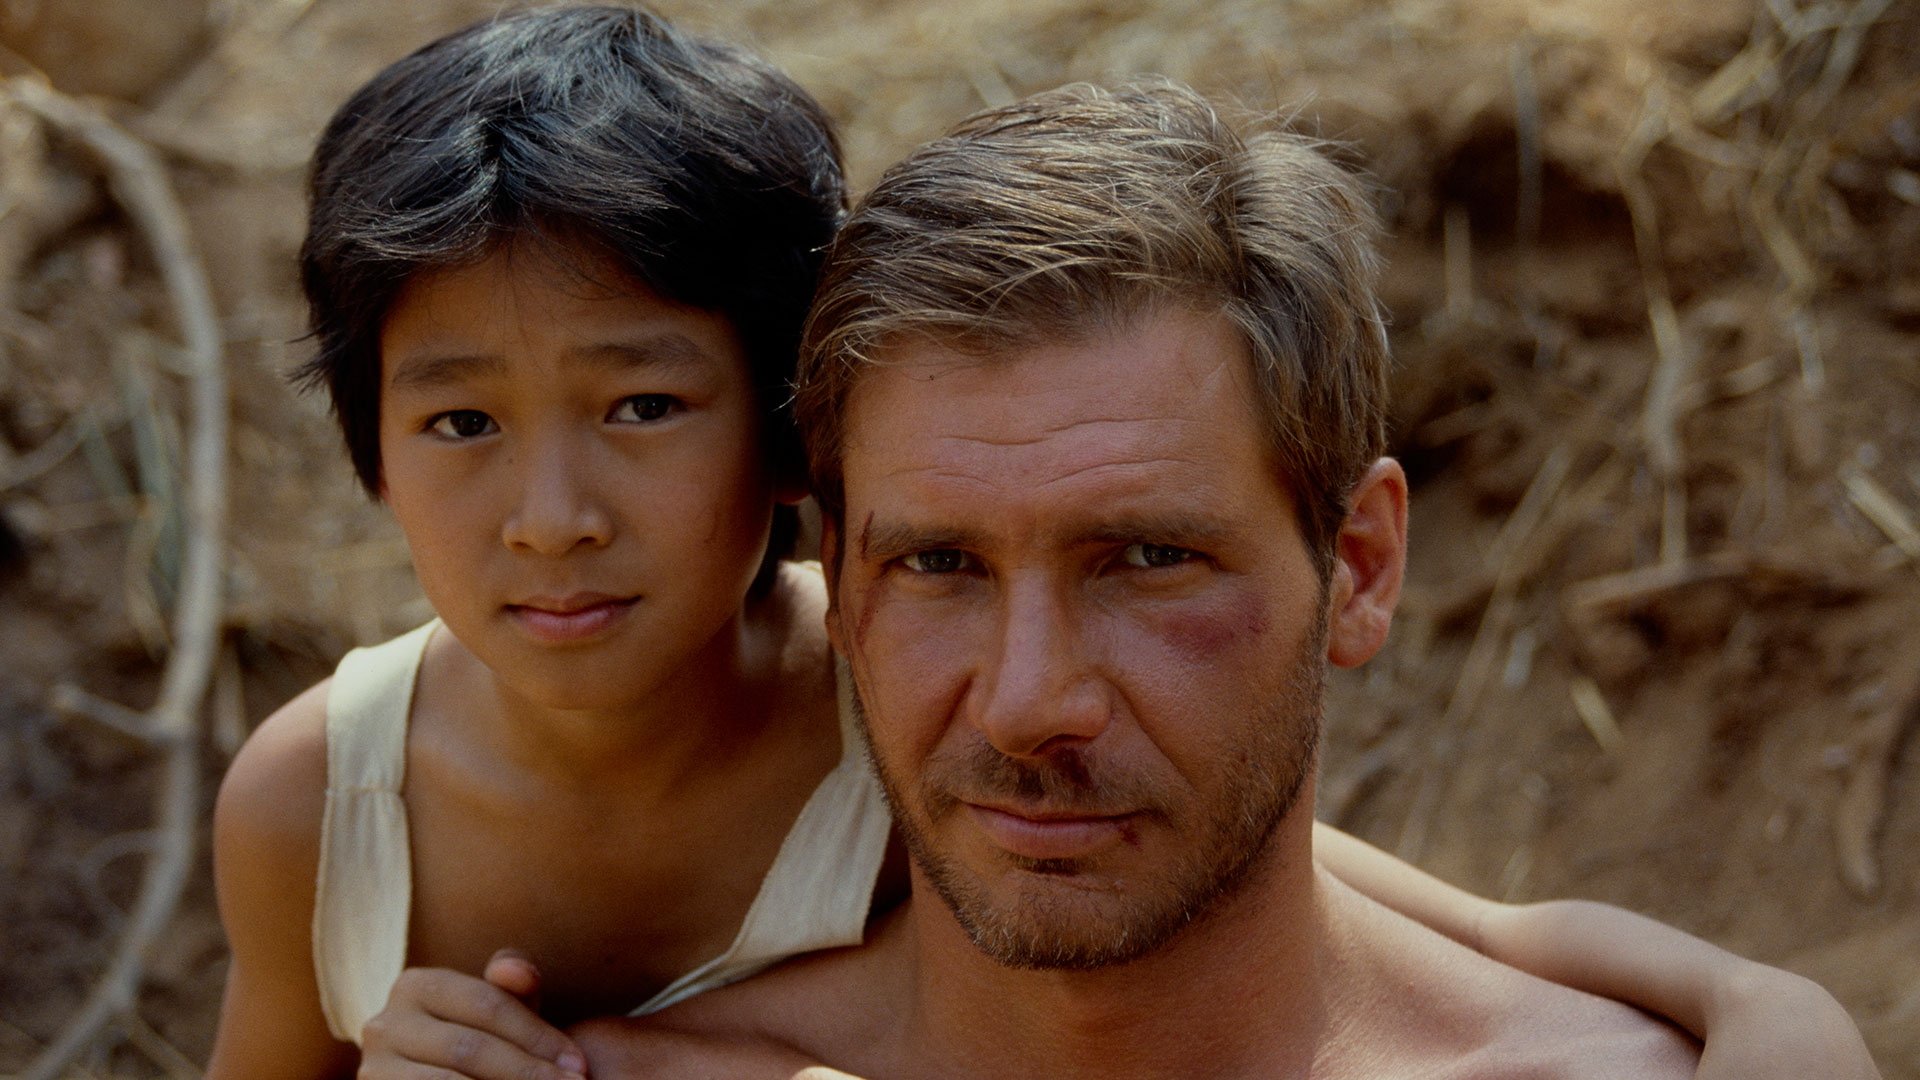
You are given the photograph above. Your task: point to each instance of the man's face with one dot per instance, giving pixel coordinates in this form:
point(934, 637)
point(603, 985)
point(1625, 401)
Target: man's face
point(1087, 634)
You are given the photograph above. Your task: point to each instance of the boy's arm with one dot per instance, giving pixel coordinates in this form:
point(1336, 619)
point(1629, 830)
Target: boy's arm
point(439, 1022)
point(1756, 1022)
point(266, 845)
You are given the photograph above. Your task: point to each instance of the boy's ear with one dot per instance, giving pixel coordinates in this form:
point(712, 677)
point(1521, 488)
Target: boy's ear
point(1370, 558)
point(830, 565)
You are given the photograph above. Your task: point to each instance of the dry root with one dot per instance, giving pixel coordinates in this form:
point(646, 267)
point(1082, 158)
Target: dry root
point(140, 183)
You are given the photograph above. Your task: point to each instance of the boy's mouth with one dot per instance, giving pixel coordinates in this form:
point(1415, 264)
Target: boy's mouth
point(570, 618)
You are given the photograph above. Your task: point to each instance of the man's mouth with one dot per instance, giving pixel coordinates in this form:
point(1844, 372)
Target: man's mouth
point(1042, 833)
point(574, 617)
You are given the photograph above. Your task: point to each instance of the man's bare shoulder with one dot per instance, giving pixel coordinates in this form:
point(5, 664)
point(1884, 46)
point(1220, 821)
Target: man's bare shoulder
point(645, 1047)
point(831, 1007)
point(1445, 1011)
point(1593, 1039)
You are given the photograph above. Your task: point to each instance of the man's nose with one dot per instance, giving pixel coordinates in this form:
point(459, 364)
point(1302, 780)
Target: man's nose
point(557, 505)
point(1042, 687)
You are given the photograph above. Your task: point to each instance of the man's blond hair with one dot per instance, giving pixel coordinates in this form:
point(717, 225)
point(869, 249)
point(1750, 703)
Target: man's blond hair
point(1077, 211)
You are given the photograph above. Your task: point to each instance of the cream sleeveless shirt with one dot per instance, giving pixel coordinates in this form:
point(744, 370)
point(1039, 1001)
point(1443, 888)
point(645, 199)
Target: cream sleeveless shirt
point(815, 896)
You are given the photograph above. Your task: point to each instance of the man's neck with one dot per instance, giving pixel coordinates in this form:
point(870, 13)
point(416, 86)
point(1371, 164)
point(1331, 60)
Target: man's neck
point(1240, 991)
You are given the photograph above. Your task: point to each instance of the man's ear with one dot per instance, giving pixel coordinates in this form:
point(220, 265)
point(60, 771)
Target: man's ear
point(830, 565)
point(1370, 558)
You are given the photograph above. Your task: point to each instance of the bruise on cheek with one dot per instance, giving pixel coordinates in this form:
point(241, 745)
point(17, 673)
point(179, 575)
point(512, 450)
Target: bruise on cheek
point(1205, 630)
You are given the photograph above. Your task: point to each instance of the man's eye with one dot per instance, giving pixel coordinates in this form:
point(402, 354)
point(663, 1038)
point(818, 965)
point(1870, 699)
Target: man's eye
point(1155, 555)
point(463, 424)
point(643, 408)
point(939, 561)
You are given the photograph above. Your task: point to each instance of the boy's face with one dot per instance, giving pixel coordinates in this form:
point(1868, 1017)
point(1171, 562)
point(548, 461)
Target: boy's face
point(577, 466)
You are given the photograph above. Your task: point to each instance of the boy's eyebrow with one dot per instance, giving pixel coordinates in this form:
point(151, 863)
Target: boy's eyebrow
point(666, 350)
point(655, 350)
point(444, 369)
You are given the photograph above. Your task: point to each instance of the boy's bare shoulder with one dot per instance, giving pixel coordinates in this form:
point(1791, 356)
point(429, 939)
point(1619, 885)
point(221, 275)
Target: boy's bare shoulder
point(799, 596)
point(270, 802)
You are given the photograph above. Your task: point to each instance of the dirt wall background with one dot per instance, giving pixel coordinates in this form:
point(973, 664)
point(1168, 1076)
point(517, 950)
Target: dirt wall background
point(1655, 306)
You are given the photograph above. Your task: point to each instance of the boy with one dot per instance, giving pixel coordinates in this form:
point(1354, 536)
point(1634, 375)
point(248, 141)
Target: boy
point(557, 265)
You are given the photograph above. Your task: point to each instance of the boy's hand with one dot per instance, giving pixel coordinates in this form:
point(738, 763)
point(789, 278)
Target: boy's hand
point(1772, 1023)
point(439, 1021)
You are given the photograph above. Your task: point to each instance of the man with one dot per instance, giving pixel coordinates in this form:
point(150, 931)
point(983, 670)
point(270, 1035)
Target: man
point(1094, 394)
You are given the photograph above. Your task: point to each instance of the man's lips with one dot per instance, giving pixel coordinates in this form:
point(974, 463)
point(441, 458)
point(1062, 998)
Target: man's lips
point(572, 617)
point(1040, 833)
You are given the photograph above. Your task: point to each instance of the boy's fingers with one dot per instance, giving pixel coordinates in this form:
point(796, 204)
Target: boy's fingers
point(441, 1051)
point(514, 972)
point(454, 1020)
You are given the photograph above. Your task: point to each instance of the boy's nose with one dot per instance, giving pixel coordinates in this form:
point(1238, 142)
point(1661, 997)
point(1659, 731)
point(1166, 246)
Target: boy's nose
point(1042, 687)
point(559, 507)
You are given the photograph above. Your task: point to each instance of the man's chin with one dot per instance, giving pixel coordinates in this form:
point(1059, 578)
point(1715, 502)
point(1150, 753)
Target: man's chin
point(1045, 919)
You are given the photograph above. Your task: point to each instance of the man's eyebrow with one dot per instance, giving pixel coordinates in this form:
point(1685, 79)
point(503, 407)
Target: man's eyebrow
point(887, 540)
point(428, 368)
point(890, 540)
point(1179, 528)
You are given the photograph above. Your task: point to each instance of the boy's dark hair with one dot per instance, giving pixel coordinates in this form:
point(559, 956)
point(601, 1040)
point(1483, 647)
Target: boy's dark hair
point(700, 169)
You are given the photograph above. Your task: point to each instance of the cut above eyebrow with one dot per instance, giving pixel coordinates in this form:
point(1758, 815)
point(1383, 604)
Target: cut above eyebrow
point(666, 350)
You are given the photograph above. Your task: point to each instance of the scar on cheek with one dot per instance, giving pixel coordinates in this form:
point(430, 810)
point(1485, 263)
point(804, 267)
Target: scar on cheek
point(1215, 628)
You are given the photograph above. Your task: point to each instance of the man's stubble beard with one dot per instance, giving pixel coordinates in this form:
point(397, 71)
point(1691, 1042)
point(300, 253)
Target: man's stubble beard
point(1046, 929)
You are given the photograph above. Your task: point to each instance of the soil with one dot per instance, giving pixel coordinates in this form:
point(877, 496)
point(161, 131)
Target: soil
point(1659, 645)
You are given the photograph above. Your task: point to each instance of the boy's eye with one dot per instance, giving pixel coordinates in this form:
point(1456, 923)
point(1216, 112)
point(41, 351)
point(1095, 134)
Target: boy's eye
point(463, 424)
point(643, 408)
point(1155, 555)
point(938, 561)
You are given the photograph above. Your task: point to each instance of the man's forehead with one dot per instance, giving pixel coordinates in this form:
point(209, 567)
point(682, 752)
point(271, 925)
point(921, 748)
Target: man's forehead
point(1146, 366)
point(1141, 418)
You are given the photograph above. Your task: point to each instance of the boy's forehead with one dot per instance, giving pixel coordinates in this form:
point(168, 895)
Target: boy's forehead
point(461, 321)
point(522, 262)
